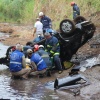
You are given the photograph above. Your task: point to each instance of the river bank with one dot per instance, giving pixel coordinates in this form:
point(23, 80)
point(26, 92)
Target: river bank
point(23, 33)
point(17, 33)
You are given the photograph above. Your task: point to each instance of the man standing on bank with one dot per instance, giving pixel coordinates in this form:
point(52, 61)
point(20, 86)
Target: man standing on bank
point(76, 10)
point(46, 21)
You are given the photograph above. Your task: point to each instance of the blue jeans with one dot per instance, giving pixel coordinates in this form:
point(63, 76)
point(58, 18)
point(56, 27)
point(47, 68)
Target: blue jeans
point(57, 62)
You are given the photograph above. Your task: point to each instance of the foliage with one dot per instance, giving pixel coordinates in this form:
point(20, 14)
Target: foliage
point(25, 11)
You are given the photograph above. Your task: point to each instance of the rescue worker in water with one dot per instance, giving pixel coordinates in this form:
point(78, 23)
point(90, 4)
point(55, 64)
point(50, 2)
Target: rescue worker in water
point(53, 48)
point(38, 64)
point(17, 63)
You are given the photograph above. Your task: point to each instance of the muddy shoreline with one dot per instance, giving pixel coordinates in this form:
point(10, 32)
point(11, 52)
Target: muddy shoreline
point(23, 33)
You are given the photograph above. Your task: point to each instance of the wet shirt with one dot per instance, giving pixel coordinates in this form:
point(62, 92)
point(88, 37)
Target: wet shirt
point(39, 27)
point(37, 59)
point(76, 9)
point(45, 57)
point(52, 44)
point(46, 21)
point(16, 61)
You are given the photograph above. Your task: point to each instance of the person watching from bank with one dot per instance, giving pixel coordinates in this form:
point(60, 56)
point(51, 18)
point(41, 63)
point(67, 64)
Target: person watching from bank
point(46, 21)
point(17, 63)
point(39, 66)
point(76, 10)
point(38, 28)
point(53, 48)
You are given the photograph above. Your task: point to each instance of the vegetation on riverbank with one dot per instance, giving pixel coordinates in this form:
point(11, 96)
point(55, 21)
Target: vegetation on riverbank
point(25, 11)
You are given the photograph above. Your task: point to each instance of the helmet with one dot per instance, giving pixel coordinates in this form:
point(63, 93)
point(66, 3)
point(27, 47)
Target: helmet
point(29, 51)
point(41, 46)
point(48, 31)
point(72, 3)
point(13, 48)
point(41, 14)
point(36, 47)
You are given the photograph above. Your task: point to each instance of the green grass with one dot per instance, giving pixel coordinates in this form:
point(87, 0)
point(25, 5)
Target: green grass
point(25, 11)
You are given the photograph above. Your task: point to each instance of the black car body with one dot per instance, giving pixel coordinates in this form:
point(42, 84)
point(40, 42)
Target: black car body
point(72, 35)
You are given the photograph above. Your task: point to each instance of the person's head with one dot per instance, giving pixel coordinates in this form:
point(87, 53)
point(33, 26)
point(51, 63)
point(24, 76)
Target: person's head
point(47, 34)
point(36, 47)
point(29, 52)
point(19, 47)
point(37, 19)
point(41, 14)
point(41, 46)
point(72, 3)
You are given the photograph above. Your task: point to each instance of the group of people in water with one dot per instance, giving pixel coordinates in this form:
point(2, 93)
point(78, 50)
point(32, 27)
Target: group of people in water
point(38, 57)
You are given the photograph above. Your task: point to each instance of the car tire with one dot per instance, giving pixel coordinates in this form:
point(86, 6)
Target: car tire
point(8, 51)
point(67, 27)
point(79, 19)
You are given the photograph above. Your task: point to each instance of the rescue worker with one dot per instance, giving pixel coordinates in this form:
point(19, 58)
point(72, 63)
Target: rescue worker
point(46, 21)
point(17, 63)
point(38, 39)
point(45, 56)
point(39, 66)
point(53, 48)
point(76, 10)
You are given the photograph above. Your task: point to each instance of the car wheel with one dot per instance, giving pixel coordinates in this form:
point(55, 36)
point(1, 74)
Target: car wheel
point(79, 19)
point(67, 27)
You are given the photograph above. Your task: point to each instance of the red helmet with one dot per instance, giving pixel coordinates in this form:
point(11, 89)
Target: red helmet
point(72, 3)
point(36, 47)
point(13, 48)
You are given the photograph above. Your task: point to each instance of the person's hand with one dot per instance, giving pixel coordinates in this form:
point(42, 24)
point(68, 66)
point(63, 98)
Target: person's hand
point(33, 35)
point(51, 54)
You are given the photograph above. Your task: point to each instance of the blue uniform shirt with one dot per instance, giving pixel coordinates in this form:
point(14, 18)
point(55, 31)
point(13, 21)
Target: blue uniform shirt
point(52, 44)
point(36, 58)
point(16, 61)
point(46, 21)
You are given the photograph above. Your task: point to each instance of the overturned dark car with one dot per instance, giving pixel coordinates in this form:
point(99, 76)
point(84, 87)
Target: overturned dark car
point(72, 35)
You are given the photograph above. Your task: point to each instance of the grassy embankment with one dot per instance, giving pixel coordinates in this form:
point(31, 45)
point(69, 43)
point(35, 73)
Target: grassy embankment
point(25, 11)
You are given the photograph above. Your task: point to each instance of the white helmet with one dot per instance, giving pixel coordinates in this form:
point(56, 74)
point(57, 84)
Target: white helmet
point(41, 14)
point(29, 51)
point(41, 46)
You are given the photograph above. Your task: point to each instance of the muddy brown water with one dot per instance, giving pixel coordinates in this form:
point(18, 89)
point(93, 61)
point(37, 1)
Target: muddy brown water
point(34, 88)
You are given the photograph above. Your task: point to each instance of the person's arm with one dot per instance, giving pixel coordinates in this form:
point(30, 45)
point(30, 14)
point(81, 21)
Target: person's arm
point(23, 62)
point(50, 23)
point(54, 47)
point(34, 66)
point(34, 31)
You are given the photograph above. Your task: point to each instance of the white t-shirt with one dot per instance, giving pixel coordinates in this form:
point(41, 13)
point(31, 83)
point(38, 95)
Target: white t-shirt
point(39, 27)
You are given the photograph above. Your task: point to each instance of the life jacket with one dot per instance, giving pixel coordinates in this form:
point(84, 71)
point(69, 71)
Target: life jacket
point(16, 61)
point(45, 57)
point(37, 59)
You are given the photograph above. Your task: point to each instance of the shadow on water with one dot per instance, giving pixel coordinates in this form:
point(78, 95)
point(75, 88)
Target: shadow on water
point(23, 89)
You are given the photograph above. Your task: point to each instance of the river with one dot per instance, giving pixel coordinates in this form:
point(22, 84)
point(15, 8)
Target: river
point(31, 89)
